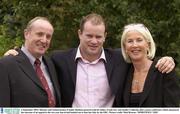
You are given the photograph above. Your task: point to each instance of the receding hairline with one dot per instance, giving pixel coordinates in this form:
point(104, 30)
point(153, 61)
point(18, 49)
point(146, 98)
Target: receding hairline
point(32, 21)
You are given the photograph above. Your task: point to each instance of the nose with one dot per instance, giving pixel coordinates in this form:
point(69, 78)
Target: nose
point(134, 44)
point(44, 39)
point(94, 40)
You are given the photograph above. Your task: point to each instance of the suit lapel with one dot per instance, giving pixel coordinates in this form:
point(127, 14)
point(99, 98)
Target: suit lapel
point(72, 65)
point(128, 84)
point(147, 87)
point(52, 75)
point(50, 69)
point(108, 64)
point(148, 83)
point(27, 67)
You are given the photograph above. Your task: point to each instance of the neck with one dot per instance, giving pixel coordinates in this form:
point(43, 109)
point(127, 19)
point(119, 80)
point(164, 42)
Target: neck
point(142, 65)
point(89, 57)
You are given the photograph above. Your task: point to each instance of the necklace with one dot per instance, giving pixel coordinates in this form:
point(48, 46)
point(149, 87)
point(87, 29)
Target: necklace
point(136, 86)
point(139, 76)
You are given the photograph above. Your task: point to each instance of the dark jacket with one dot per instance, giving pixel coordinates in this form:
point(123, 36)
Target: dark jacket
point(66, 68)
point(160, 90)
point(19, 84)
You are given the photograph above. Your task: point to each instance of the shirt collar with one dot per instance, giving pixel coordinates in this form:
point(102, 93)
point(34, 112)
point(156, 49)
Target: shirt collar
point(79, 56)
point(29, 55)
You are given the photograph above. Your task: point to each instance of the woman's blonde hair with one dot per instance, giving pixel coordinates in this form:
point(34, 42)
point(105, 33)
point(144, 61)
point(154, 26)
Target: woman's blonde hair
point(141, 28)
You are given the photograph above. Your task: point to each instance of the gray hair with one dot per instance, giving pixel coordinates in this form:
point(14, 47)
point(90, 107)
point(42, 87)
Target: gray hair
point(30, 23)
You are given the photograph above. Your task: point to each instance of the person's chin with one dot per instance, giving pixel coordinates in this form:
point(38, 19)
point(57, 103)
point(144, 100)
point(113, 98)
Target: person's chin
point(41, 52)
point(94, 53)
point(136, 58)
point(92, 50)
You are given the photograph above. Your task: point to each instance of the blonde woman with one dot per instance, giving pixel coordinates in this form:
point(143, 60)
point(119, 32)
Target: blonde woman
point(145, 85)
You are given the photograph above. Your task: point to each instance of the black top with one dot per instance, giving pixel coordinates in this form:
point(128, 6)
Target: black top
point(134, 99)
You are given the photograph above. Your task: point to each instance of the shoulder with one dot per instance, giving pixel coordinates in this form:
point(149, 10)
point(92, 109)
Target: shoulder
point(111, 51)
point(165, 76)
point(116, 56)
point(116, 50)
point(8, 62)
point(116, 53)
point(63, 54)
point(7, 59)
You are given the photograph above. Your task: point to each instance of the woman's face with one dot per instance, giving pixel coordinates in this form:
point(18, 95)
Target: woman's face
point(136, 47)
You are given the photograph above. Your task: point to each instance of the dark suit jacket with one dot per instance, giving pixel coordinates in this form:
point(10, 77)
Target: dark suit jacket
point(19, 84)
point(66, 68)
point(160, 90)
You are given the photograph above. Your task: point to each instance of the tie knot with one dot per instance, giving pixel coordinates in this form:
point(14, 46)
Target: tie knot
point(37, 62)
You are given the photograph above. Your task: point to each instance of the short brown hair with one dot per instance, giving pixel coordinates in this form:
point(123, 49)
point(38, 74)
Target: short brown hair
point(96, 19)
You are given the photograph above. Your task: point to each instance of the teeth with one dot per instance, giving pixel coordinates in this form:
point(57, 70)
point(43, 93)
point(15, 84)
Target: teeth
point(135, 51)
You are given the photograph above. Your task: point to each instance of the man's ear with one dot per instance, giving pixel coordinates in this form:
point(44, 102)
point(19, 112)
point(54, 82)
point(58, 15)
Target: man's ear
point(105, 35)
point(79, 33)
point(25, 34)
